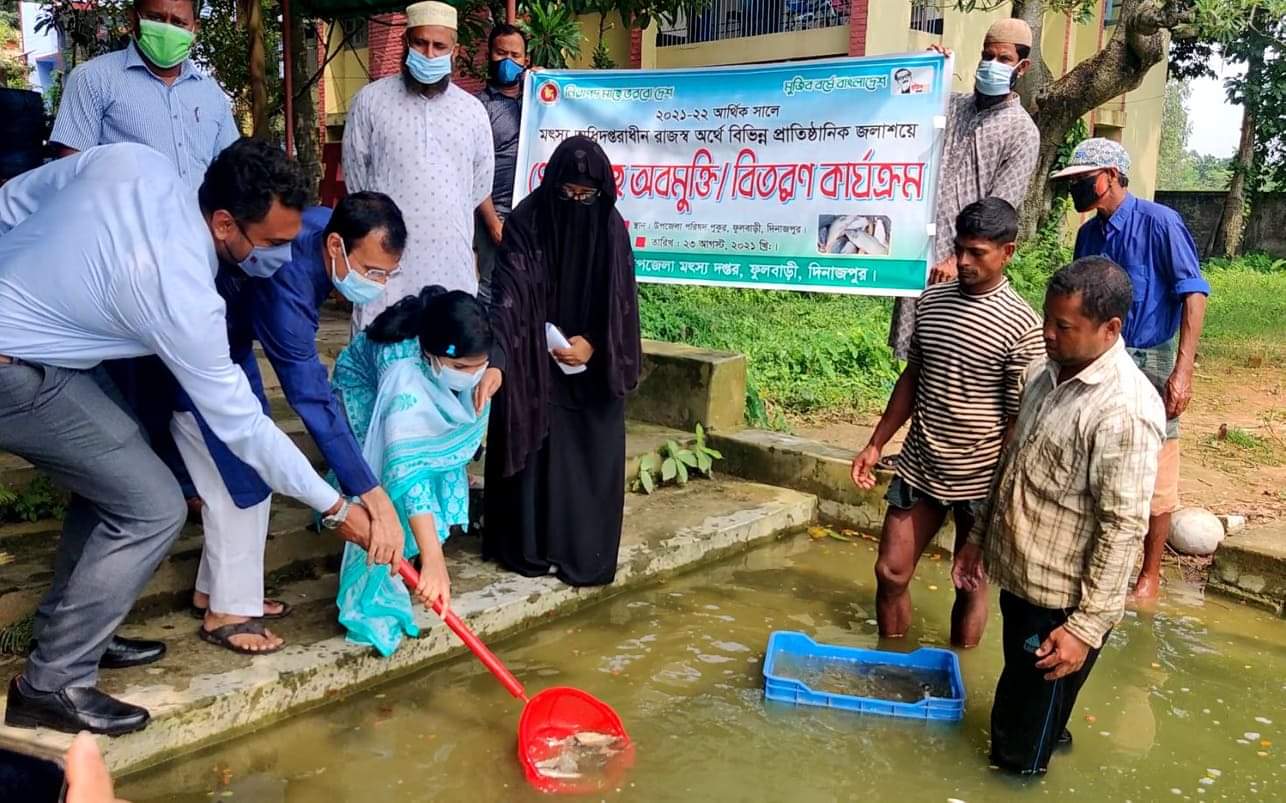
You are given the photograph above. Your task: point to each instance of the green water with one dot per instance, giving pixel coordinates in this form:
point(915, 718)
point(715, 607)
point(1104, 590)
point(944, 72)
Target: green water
point(1166, 715)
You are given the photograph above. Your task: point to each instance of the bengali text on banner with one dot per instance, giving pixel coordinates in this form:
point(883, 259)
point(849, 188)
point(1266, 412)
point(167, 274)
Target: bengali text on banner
point(816, 176)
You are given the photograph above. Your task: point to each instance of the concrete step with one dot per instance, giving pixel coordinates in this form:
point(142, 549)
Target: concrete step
point(199, 694)
point(1251, 567)
point(292, 550)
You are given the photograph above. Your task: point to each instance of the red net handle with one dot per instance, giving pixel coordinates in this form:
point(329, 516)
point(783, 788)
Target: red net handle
point(412, 579)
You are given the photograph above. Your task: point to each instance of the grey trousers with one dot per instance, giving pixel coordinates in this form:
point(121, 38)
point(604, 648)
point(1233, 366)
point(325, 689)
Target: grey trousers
point(125, 512)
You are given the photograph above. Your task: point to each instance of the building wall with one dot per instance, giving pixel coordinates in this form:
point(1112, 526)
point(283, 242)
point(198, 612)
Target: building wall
point(785, 46)
point(41, 48)
point(1202, 210)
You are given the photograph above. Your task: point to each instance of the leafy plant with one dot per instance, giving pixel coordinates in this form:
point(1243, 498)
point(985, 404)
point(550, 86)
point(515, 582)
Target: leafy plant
point(39, 499)
point(675, 464)
point(553, 34)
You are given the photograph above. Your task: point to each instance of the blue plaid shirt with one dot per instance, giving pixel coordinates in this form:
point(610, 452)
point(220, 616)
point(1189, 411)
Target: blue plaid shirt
point(116, 98)
point(1154, 247)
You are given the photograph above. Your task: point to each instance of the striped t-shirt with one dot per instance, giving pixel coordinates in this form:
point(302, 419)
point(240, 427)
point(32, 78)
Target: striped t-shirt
point(972, 352)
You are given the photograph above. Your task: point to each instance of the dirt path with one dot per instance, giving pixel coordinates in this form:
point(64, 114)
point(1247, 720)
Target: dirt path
point(1244, 471)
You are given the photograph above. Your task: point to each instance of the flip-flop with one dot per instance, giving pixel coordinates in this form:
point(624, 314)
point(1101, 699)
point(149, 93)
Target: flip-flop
point(222, 636)
point(286, 608)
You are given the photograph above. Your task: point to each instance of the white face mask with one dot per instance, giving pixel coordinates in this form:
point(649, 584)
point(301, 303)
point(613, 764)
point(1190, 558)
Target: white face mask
point(456, 379)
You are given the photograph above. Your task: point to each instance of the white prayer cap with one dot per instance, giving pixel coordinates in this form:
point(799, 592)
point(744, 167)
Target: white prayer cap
point(431, 13)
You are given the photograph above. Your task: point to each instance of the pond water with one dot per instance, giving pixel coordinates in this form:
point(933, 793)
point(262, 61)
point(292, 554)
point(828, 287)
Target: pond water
point(1187, 702)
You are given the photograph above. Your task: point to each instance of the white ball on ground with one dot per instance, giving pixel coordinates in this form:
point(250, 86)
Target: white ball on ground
point(1195, 531)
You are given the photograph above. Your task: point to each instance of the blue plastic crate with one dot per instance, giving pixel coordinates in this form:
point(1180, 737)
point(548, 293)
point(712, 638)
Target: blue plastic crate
point(798, 645)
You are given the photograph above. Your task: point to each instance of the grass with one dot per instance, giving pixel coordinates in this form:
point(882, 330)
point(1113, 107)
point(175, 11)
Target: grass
point(1246, 317)
point(814, 354)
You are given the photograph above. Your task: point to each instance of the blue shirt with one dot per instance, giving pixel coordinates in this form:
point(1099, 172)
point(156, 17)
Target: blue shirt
point(1154, 247)
point(282, 313)
point(105, 255)
point(116, 98)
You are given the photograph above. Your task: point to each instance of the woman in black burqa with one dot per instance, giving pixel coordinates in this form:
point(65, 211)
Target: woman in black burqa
point(555, 474)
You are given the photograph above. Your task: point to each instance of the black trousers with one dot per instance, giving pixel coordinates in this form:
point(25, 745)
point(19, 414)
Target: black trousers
point(1030, 712)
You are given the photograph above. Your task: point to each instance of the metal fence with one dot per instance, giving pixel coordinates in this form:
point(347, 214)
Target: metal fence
point(736, 19)
point(927, 18)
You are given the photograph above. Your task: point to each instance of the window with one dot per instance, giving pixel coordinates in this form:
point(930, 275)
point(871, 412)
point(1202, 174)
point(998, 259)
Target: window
point(354, 31)
point(1111, 12)
point(926, 17)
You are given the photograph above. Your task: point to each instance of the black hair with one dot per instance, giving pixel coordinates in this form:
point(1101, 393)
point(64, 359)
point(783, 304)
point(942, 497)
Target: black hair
point(361, 213)
point(248, 176)
point(1105, 288)
point(1024, 51)
point(504, 29)
point(901, 71)
point(992, 219)
point(1122, 179)
point(448, 323)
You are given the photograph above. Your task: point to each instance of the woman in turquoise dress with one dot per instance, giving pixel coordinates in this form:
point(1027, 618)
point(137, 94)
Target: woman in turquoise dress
point(409, 385)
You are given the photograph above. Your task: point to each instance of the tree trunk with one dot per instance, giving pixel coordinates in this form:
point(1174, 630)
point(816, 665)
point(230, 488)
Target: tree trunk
point(1140, 41)
point(252, 13)
point(1232, 223)
point(307, 147)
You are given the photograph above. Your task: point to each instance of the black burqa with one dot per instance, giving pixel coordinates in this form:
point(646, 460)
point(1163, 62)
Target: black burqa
point(555, 485)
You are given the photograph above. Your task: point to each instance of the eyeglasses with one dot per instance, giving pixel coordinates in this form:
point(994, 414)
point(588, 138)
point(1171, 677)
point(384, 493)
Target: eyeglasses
point(580, 195)
point(381, 275)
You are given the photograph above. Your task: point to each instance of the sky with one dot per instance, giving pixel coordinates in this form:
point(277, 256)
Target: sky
point(1216, 124)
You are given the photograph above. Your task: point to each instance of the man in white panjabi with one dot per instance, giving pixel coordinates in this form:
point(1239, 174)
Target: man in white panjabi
point(426, 143)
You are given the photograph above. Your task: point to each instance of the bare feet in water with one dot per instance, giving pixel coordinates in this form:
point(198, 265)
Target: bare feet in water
point(1146, 588)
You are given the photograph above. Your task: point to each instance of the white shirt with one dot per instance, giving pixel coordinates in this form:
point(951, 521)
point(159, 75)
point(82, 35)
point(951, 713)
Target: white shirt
point(105, 255)
point(434, 158)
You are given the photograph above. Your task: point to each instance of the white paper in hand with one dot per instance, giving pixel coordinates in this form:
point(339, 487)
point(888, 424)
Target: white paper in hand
point(554, 339)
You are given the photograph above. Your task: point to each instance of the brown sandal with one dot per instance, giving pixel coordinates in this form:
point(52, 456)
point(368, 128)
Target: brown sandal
point(222, 636)
point(286, 608)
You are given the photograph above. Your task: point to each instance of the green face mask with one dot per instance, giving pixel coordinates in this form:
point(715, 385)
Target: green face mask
point(164, 45)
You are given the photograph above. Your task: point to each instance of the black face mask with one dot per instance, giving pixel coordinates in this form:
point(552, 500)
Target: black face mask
point(1084, 195)
point(504, 72)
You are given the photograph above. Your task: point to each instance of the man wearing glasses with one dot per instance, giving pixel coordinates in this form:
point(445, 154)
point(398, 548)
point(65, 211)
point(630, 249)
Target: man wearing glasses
point(353, 250)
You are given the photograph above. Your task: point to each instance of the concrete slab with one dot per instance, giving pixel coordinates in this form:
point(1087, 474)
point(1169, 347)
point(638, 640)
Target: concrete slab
point(1251, 566)
point(200, 694)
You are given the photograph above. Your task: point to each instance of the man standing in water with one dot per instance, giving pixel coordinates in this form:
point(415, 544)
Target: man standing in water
point(1064, 523)
point(990, 151)
point(973, 341)
point(1154, 247)
point(426, 143)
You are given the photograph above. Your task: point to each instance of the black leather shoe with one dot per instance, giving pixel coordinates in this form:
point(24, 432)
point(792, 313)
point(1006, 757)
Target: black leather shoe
point(75, 709)
point(1065, 738)
point(126, 652)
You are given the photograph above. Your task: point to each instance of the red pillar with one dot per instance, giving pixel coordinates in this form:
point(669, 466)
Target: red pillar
point(636, 48)
point(385, 44)
point(858, 10)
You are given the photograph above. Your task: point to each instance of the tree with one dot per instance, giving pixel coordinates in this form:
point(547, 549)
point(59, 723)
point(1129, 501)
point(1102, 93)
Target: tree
point(13, 66)
point(633, 14)
point(1139, 41)
point(1260, 45)
point(1175, 169)
point(226, 49)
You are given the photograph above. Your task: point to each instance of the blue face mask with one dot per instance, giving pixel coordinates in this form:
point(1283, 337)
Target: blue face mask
point(427, 70)
point(507, 72)
point(354, 286)
point(455, 379)
point(265, 260)
point(993, 78)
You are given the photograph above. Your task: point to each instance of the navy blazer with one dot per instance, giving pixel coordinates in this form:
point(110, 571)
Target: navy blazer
point(282, 313)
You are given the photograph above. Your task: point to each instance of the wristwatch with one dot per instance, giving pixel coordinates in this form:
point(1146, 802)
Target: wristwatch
point(335, 521)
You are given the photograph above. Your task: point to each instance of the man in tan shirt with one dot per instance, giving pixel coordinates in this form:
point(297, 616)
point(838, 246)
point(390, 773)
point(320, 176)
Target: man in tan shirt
point(1062, 530)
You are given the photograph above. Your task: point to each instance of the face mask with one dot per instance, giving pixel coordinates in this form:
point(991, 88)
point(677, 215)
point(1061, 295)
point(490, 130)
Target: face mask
point(506, 72)
point(164, 45)
point(1085, 193)
point(458, 380)
point(354, 286)
point(427, 70)
point(265, 260)
point(993, 78)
